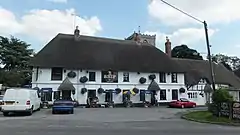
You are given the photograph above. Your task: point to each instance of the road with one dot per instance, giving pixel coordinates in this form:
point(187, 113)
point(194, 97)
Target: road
point(110, 121)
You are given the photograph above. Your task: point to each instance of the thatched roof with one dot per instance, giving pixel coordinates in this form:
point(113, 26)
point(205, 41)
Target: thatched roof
point(199, 69)
point(103, 54)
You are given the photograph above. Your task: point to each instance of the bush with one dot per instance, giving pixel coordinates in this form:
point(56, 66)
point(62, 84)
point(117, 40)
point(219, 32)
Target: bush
point(221, 95)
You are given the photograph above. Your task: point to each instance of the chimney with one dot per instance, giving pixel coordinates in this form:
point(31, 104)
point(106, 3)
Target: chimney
point(168, 47)
point(76, 32)
point(137, 38)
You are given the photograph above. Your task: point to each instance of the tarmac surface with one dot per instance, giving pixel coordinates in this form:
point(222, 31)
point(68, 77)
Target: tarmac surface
point(110, 121)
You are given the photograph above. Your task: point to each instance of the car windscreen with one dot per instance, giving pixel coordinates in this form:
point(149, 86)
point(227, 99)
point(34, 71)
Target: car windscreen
point(63, 103)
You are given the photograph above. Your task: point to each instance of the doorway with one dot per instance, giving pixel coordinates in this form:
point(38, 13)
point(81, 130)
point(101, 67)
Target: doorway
point(66, 95)
point(126, 95)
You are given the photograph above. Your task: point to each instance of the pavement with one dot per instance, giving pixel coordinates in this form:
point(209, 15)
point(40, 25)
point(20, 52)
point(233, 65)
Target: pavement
point(111, 121)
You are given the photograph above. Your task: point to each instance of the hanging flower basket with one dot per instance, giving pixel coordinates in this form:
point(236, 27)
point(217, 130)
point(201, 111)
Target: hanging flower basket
point(182, 90)
point(100, 90)
point(83, 90)
point(83, 79)
point(152, 77)
point(73, 92)
point(142, 80)
point(118, 90)
point(71, 74)
point(136, 90)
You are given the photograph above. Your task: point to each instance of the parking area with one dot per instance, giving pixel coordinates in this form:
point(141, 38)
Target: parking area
point(109, 121)
point(107, 114)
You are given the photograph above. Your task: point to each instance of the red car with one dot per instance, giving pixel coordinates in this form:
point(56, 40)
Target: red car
point(182, 103)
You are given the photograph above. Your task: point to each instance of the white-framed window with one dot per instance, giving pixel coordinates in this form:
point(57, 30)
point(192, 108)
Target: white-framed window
point(192, 95)
point(125, 77)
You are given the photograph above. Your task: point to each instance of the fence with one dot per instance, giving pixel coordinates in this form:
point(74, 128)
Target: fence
point(231, 110)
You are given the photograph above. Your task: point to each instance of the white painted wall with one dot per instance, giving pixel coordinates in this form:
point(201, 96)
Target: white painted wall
point(44, 80)
point(199, 100)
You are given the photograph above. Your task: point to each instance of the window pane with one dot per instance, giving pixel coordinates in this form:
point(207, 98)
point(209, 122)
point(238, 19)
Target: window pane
point(162, 77)
point(174, 77)
point(56, 95)
point(57, 73)
point(46, 96)
point(125, 77)
point(92, 76)
point(163, 95)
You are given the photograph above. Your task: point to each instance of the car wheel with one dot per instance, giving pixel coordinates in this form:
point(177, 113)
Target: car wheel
point(30, 112)
point(182, 106)
point(72, 111)
point(194, 106)
point(53, 112)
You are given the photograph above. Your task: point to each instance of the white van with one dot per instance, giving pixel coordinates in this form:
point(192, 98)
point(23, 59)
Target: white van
point(21, 100)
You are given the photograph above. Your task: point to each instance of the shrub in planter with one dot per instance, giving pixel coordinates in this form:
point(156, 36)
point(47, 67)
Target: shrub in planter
point(182, 90)
point(152, 76)
point(142, 80)
point(118, 90)
point(83, 79)
point(71, 74)
point(136, 90)
point(83, 90)
point(100, 90)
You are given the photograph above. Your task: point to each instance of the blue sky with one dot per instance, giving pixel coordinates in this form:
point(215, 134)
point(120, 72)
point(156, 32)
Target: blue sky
point(37, 21)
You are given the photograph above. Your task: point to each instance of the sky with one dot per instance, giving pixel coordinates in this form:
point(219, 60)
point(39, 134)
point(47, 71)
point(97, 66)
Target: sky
point(38, 21)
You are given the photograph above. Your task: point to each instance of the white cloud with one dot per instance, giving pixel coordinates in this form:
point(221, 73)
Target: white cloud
point(45, 24)
point(213, 11)
point(58, 1)
point(188, 36)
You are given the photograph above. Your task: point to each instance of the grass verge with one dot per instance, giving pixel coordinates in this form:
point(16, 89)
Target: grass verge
point(207, 117)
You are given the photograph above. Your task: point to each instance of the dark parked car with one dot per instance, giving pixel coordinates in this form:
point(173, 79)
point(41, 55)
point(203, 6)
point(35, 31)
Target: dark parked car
point(63, 106)
point(182, 103)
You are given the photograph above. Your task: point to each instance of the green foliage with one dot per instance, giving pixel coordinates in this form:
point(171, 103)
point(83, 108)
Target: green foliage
point(15, 56)
point(230, 62)
point(183, 51)
point(205, 116)
point(221, 95)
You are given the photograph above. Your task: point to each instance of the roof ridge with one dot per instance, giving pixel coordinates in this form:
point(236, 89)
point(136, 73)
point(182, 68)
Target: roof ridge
point(106, 39)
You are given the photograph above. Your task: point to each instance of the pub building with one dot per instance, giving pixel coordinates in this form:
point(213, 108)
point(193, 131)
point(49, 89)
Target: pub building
point(80, 67)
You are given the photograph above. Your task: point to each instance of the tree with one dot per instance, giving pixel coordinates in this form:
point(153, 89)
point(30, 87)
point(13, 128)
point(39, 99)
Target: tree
point(183, 51)
point(15, 56)
point(14, 53)
point(230, 62)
